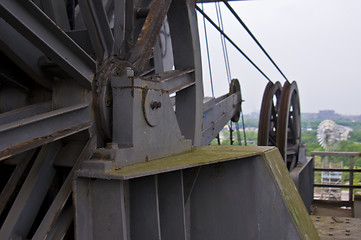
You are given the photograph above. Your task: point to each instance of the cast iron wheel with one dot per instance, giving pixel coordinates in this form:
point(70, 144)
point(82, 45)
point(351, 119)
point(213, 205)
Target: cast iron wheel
point(55, 100)
point(289, 125)
point(267, 129)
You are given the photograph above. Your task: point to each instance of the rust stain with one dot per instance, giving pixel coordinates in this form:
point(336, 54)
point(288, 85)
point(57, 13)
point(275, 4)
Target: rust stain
point(36, 142)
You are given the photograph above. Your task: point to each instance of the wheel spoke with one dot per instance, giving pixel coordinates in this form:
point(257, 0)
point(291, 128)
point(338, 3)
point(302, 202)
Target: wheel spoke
point(24, 112)
point(59, 202)
point(29, 20)
point(28, 133)
point(174, 81)
point(22, 52)
point(56, 10)
point(96, 21)
point(31, 195)
point(143, 47)
point(15, 180)
point(269, 115)
point(123, 26)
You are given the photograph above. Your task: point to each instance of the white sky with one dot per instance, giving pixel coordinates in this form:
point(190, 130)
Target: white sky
point(315, 42)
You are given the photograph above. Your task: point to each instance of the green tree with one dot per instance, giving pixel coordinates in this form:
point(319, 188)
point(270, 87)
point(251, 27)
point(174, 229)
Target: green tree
point(355, 136)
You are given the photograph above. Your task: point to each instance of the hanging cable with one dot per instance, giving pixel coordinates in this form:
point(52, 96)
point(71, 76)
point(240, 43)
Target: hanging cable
point(218, 139)
point(244, 130)
point(209, 59)
point(229, 40)
point(230, 133)
point(253, 37)
point(223, 42)
point(238, 134)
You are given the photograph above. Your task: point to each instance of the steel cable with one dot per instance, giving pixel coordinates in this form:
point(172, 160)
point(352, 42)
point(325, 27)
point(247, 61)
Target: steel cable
point(253, 37)
point(230, 40)
point(209, 59)
point(223, 42)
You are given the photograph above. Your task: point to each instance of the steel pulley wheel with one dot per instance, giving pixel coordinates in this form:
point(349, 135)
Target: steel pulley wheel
point(235, 87)
point(267, 129)
point(289, 124)
point(56, 95)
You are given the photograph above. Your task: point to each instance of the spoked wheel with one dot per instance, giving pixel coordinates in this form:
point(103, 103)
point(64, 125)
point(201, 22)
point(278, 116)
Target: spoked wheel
point(267, 128)
point(289, 124)
point(56, 94)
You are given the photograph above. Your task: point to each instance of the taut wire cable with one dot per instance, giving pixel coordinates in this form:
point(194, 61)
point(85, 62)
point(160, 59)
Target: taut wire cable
point(223, 42)
point(230, 40)
point(253, 37)
point(209, 59)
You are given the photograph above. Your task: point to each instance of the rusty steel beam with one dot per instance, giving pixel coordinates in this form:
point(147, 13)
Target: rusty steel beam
point(21, 135)
point(143, 48)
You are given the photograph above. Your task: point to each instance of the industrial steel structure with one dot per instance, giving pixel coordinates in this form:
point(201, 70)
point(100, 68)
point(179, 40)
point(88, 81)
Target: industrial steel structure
point(104, 127)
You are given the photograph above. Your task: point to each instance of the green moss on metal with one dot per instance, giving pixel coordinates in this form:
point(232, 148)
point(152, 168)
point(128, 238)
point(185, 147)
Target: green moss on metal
point(196, 157)
point(290, 195)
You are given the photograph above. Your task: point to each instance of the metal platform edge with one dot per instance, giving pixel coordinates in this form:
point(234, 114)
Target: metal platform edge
point(197, 156)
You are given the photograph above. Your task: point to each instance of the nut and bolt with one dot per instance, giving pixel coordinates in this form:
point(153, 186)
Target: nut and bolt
point(155, 105)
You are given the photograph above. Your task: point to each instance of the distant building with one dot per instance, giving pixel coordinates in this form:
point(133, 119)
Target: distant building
point(328, 114)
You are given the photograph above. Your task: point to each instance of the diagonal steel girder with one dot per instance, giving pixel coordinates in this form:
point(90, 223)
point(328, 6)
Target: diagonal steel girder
point(144, 45)
point(41, 31)
point(59, 204)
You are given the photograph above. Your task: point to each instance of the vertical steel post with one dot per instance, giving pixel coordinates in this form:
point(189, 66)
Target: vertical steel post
point(350, 198)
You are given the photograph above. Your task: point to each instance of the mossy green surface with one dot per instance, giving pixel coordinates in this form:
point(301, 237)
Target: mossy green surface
point(290, 195)
point(196, 157)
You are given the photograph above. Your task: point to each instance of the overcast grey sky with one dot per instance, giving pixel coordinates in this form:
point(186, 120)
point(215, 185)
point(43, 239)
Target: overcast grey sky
point(315, 42)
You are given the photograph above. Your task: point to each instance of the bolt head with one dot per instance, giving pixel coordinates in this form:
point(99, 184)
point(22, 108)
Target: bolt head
point(130, 72)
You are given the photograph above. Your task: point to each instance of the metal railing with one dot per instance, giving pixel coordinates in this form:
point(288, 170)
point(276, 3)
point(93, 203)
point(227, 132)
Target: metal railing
point(350, 170)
